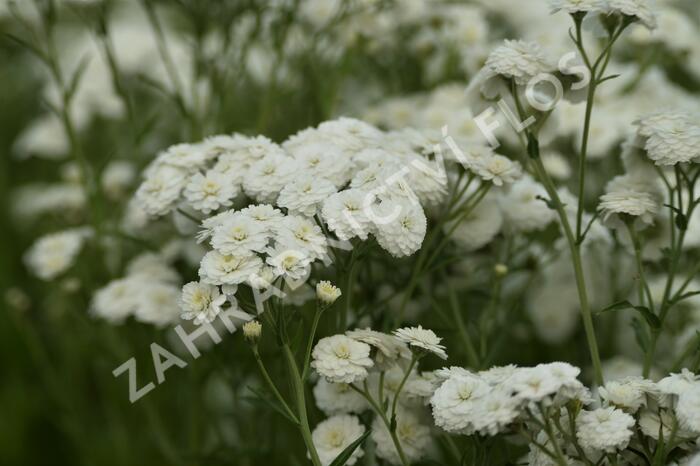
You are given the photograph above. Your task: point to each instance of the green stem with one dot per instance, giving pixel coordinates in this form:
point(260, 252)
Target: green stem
point(310, 343)
point(461, 327)
point(394, 404)
point(575, 249)
point(643, 284)
point(298, 386)
point(382, 415)
point(272, 385)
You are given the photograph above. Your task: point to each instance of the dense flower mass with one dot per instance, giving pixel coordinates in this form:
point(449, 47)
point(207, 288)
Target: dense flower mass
point(344, 233)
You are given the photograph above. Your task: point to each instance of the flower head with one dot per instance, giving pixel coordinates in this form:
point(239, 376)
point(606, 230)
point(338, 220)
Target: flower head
point(422, 339)
point(334, 435)
point(604, 429)
point(341, 359)
point(326, 292)
point(201, 302)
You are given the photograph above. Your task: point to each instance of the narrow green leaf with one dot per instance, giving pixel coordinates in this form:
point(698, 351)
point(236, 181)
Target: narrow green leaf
point(76, 77)
point(651, 318)
point(608, 78)
point(616, 306)
point(24, 44)
point(345, 455)
point(685, 296)
point(261, 396)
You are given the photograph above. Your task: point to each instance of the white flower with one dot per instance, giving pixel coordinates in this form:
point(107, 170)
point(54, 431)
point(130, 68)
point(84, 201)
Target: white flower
point(229, 269)
point(675, 384)
point(263, 214)
point(688, 408)
point(524, 206)
point(158, 304)
point(152, 267)
point(605, 429)
point(53, 254)
point(253, 148)
point(187, 156)
point(479, 227)
point(161, 189)
point(455, 403)
point(423, 338)
point(637, 10)
point(303, 235)
point(495, 412)
point(518, 60)
point(210, 191)
point(334, 435)
point(289, 263)
point(652, 425)
point(626, 199)
point(556, 165)
point(344, 213)
point(413, 435)
point(115, 301)
point(628, 393)
point(534, 383)
point(341, 359)
point(326, 292)
point(497, 375)
point(428, 179)
point(335, 398)
point(240, 235)
point(305, 194)
point(575, 6)
point(498, 169)
point(211, 223)
point(268, 176)
point(117, 178)
point(201, 302)
point(324, 160)
point(389, 349)
point(670, 138)
point(400, 227)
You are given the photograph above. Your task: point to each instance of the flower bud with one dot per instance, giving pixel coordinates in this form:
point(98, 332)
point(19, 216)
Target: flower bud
point(326, 292)
point(252, 330)
point(501, 270)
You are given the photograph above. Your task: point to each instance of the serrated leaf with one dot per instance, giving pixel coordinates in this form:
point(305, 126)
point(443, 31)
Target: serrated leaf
point(345, 455)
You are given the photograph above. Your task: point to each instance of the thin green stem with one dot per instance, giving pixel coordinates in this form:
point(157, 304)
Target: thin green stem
point(575, 249)
point(298, 387)
point(472, 355)
point(379, 410)
point(272, 385)
point(643, 284)
point(309, 344)
point(394, 404)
